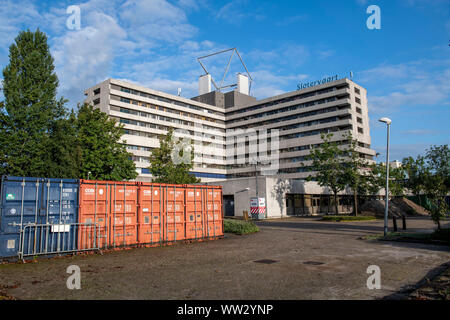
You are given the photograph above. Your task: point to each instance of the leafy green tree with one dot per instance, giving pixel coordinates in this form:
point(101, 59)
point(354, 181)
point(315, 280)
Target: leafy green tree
point(414, 170)
point(100, 154)
point(354, 170)
point(377, 179)
point(30, 108)
point(64, 151)
point(327, 164)
point(436, 180)
point(163, 167)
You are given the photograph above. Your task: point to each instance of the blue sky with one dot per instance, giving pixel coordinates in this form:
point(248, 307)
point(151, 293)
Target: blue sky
point(405, 65)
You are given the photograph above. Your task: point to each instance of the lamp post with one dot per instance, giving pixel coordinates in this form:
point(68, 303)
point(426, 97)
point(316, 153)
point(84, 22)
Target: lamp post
point(256, 179)
point(386, 209)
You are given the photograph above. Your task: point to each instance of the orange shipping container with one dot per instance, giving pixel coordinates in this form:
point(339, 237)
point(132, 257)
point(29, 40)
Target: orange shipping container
point(137, 213)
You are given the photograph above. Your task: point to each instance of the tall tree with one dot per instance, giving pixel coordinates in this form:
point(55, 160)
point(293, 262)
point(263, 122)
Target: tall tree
point(163, 167)
point(437, 180)
point(30, 108)
point(354, 172)
point(414, 171)
point(100, 153)
point(327, 164)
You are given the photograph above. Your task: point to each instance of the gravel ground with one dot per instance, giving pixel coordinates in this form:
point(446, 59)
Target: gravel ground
point(309, 259)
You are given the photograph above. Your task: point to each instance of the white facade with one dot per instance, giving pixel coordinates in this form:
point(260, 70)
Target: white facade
point(148, 114)
point(299, 117)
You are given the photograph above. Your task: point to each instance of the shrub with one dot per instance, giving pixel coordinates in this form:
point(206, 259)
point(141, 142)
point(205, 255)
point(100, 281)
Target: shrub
point(239, 227)
point(347, 218)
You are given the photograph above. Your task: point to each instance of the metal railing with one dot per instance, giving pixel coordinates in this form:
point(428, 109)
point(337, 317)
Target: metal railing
point(48, 239)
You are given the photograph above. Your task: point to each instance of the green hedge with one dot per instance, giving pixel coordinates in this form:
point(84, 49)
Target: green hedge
point(347, 218)
point(239, 227)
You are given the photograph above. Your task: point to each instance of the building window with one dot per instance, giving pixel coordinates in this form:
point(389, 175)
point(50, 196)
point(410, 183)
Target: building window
point(357, 90)
point(96, 91)
point(96, 101)
point(359, 120)
point(358, 100)
point(360, 130)
point(358, 110)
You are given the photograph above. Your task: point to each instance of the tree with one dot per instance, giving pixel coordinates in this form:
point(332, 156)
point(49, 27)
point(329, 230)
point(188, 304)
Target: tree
point(99, 153)
point(64, 151)
point(354, 172)
point(436, 180)
point(163, 167)
point(30, 108)
point(377, 179)
point(327, 164)
point(414, 170)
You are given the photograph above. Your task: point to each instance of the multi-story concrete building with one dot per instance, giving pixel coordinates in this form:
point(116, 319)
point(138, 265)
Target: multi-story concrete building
point(299, 117)
point(148, 114)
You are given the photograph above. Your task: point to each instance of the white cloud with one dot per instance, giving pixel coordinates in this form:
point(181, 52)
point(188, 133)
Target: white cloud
point(422, 82)
point(13, 17)
point(150, 20)
point(85, 57)
point(269, 84)
point(234, 12)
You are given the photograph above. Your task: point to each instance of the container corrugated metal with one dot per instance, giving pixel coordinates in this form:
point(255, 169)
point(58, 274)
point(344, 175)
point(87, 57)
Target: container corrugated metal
point(27, 201)
point(64, 215)
point(150, 214)
point(174, 212)
point(213, 211)
point(94, 209)
point(194, 212)
point(123, 214)
point(113, 205)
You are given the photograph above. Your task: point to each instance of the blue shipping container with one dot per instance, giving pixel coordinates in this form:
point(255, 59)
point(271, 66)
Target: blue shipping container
point(27, 204)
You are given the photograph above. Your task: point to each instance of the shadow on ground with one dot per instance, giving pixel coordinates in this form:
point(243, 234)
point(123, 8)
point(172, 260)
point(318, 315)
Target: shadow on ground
point(405, 292)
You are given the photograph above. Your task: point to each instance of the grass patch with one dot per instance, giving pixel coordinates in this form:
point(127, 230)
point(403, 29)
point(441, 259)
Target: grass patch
point(239, 227)
point(437, 237)
point(347, 218)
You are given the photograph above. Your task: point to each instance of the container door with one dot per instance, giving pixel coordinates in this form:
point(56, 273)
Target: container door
point(174, 220)
point(20, 203)
point(194, 213)
point(93, 209)
point(123, 215)
point(59, 206)
point(213, 212)
point(150, 218)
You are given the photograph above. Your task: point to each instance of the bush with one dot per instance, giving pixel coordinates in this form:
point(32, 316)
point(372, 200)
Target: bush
point(347, 218)
point(239, 227)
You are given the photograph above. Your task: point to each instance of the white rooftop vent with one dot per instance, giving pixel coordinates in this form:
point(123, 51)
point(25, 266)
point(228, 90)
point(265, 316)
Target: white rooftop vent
point(242, 84)
point(204, 84)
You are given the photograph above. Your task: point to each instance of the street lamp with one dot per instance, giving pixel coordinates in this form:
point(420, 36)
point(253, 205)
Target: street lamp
point(388, 123)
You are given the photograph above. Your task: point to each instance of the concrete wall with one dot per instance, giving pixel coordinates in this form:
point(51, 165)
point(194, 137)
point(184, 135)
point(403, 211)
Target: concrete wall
point(271, 188)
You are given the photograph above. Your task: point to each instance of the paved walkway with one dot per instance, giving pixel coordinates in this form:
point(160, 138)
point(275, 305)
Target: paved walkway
point(302, 258)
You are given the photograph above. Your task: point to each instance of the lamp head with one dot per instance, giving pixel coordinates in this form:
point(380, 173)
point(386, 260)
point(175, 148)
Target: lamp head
point(386, 120)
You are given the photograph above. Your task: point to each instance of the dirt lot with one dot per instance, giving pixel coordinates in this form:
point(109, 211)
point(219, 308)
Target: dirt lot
point(310, 260)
